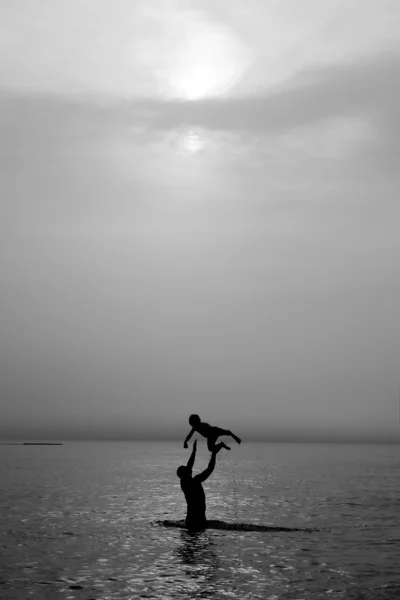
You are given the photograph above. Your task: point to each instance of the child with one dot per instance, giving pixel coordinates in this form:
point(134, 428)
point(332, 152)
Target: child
point(210, 433)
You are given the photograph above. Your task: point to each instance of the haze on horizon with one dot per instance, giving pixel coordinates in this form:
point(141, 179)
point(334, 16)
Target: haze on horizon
point(199, 209)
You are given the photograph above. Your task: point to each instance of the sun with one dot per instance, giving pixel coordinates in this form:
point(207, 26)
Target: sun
point(199, 82)
point(209, 63)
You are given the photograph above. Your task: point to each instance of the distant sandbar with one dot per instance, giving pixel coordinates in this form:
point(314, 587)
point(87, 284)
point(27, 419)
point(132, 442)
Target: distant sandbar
point(30, 443)
point(42, 444)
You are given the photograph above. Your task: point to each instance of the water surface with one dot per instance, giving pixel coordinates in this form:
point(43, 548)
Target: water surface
point(78, 521)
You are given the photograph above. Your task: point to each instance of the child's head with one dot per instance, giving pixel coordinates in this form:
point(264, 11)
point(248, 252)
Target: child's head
point(194, 420)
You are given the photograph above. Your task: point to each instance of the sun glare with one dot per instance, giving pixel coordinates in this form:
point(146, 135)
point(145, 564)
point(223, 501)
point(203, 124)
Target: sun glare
point(198, 83)
point(210, 62)
point(192, 142)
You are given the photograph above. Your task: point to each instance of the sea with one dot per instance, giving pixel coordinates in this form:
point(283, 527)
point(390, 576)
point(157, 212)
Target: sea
point(82, 521)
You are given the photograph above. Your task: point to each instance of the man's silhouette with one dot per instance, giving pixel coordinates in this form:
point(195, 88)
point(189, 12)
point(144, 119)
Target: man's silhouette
point(193, 490)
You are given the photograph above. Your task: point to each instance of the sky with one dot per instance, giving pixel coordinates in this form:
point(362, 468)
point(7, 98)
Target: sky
point(199, 213)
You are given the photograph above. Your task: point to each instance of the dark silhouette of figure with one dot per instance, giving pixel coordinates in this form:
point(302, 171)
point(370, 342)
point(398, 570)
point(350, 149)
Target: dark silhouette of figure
point(210, 433)
point(193, 490)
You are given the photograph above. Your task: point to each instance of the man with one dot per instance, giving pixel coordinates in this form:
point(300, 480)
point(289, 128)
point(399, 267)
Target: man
point(193, 490)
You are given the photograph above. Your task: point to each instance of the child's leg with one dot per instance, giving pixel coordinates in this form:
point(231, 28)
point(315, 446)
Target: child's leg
point(227, 432)
point(211, 445)
point(235, 437)
point(221, 445)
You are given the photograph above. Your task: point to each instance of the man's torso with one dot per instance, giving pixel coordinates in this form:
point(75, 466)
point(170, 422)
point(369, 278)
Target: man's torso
point(195, 500)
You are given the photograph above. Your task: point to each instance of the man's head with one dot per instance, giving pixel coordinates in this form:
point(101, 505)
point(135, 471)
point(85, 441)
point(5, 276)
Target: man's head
point(194, 420)
point(184, 472)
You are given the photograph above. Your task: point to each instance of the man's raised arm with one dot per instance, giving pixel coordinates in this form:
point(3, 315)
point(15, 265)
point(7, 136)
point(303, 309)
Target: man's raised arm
point(207, 472)
point(190, 462)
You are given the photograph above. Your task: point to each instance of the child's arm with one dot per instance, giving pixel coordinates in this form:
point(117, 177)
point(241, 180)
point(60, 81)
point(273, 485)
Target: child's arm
point(185, 445)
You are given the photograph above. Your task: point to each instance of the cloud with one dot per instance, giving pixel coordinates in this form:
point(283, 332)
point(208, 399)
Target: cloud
point(121, 48)
point(343, 113)
point(318, 94)
point(332, 129)
point(337, 111)
point(370, 87)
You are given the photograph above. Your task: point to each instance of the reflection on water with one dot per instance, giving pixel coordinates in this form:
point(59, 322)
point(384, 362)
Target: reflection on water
point(81, 525)
point(199, 561)
point(197, 549)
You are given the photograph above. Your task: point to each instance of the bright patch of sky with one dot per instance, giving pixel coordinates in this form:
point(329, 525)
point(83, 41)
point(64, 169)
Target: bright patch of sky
point(186, 50)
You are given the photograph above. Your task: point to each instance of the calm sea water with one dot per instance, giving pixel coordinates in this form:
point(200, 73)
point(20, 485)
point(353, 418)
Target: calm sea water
point(77, 521)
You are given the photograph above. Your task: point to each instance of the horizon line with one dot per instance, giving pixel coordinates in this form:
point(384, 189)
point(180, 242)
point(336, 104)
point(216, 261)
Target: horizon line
point(373, 441)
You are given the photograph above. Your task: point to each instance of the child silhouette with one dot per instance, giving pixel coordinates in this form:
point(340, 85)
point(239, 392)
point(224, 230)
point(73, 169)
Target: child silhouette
point(210, 433)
